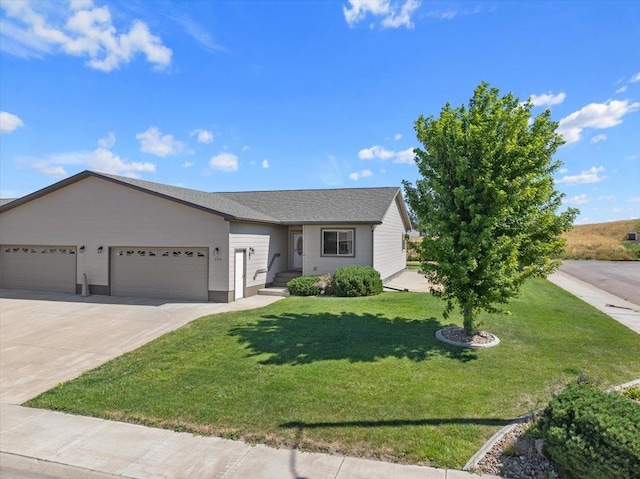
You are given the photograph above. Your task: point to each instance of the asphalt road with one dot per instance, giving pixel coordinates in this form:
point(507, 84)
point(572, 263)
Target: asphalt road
point(621, 278)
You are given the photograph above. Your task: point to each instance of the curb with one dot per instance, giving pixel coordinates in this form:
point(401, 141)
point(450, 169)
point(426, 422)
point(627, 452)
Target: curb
point(477, 457)
point(439, 335)
point(486, 447)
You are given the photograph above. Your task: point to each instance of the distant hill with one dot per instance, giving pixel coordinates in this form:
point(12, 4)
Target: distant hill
point(603, 241)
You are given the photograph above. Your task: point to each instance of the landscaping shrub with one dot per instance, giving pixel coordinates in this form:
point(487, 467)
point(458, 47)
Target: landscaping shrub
point(356, 280)
point(590, 434)
point(304, 286)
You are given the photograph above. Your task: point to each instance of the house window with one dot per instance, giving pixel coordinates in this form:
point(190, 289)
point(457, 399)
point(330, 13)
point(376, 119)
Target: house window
point(337, 242)
point(404, 243)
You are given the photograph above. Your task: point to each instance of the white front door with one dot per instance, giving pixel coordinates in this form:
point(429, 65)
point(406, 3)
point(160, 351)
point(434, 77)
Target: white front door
point(296, 253)
point(239, 274)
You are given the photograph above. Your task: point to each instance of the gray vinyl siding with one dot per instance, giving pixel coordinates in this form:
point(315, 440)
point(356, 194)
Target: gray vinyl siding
point(313, 261)
point(266, 240)
point(93, 212)
point(388, 256)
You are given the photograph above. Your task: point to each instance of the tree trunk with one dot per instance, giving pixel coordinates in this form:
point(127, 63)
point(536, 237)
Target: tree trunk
point(468, 321)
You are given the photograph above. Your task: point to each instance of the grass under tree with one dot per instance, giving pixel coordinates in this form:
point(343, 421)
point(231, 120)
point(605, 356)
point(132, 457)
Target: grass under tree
point(357, 376)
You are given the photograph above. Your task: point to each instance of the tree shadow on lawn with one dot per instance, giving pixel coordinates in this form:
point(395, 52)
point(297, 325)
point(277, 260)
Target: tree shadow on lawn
point(303, 338)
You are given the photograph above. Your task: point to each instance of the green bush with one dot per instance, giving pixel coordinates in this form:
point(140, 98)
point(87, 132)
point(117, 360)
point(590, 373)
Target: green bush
point(356, 280)
point(590, 434)
point(304, 286)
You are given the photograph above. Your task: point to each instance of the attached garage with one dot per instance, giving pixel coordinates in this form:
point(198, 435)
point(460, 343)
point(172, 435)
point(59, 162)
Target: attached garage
point(38, 268)
point(177, 273)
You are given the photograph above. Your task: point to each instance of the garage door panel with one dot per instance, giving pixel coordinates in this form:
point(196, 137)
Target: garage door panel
point(177, 273)
point(38, 268)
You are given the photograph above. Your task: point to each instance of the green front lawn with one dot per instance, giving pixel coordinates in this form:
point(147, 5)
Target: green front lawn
point(360, 376)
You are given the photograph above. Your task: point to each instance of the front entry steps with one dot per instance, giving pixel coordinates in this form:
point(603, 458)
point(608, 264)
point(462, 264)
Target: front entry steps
point(273, 291)
point(281, 279)
point(279, 285)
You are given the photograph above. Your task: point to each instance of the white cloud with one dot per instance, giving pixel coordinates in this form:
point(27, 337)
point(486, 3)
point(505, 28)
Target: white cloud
point(622, 89)
point(376, 151)
point(594, 115)
point(397, 136)
point(597, 138)
point(48, 169)
point(576, 200)
point(381, 153)
point(548, 99)
point(265, 163)
point(634, 199)
point(635, 78)
point(606, 198)
point(78, 29)
point(198, 33)
point(224, 162)
point(101, 159)
point(562, 171)
point(401, 18)
point(108, 141)
point(355, 176)
point(9, 122)
point(188, 164)
point(392, 14)
point(154, 142)
point(588, 176)
point(405, 156)
point(106, 161)
point(204, 136)
point(245, 148)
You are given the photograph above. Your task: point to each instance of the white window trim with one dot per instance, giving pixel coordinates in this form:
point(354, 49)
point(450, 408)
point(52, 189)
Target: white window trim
point(338, 231)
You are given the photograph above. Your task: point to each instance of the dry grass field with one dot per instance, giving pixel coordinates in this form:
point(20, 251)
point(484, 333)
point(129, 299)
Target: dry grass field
point(603, 241)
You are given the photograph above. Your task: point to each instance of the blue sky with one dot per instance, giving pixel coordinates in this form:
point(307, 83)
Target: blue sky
point(257, 95)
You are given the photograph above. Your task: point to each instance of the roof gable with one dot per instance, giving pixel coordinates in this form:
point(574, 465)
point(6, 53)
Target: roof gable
point(346, 205)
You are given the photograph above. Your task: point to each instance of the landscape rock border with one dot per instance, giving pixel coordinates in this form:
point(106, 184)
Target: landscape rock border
point(494, 342)
point(493, 440)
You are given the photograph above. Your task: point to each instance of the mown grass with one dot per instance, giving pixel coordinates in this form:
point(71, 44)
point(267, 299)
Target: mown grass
point(357, 376)
point(603, 241)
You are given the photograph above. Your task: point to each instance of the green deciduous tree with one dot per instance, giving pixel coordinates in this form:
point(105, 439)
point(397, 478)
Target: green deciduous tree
point(486, 200)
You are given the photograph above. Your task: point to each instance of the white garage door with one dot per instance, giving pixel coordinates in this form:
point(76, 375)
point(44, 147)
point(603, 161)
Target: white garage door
point(38, 268)
point(172, 273)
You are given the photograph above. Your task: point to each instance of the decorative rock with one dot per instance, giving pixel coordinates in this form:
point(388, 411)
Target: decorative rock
point(455, 335)
point(539, 445)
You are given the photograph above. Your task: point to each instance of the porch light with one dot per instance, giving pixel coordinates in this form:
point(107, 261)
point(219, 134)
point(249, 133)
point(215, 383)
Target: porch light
point(81, 249)
point(100, 249)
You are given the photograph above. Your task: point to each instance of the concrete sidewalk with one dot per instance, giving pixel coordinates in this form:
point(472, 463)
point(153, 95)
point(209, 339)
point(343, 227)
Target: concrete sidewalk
point(624, 312)
point(133, 451)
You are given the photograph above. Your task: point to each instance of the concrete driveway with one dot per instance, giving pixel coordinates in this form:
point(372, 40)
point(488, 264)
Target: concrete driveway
point(49, 338)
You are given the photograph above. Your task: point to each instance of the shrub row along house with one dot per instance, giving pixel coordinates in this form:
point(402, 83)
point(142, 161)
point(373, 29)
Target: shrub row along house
point(137, 238)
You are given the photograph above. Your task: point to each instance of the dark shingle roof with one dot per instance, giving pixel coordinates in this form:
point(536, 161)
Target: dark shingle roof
point(346, 205)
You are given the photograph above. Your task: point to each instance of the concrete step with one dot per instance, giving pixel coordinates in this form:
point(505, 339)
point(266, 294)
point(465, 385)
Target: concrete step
point(274, 291)
point(280, 283)
point(288, 275)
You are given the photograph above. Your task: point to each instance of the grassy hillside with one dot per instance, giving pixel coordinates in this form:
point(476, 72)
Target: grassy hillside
point(603, 241)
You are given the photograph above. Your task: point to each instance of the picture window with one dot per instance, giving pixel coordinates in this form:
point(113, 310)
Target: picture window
point(338, 242)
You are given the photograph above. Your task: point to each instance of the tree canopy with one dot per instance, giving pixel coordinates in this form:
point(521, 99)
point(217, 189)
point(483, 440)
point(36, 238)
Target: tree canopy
point(486, 202)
